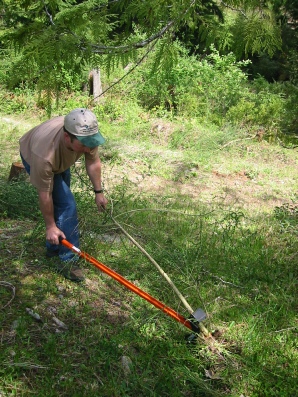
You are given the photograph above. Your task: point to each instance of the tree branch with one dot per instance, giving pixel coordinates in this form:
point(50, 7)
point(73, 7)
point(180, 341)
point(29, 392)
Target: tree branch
point(129, 71)
point(237, 140)
point(100, 49)
point(6, 284)
point(48, 14)
point(234, 9)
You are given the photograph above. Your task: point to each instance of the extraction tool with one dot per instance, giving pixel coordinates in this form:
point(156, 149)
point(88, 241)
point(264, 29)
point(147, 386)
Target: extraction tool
point(191, 323)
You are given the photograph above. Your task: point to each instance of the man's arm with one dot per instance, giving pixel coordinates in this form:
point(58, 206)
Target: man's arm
point(93, 168)
point(47, 209)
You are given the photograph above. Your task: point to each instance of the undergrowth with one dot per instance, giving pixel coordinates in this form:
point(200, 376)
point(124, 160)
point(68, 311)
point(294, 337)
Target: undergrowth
point(239, 270)
point(237, 262)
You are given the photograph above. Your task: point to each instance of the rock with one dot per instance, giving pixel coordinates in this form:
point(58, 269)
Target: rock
point(126, 364)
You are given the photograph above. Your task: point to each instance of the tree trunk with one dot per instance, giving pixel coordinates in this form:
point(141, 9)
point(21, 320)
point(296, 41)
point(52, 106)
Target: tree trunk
point(16, 170)
point(95, 84)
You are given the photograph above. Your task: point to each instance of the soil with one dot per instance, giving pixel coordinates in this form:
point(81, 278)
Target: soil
point(237, 189)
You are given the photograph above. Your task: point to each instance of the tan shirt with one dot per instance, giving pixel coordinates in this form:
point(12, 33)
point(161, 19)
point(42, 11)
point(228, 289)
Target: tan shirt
point(45, 151)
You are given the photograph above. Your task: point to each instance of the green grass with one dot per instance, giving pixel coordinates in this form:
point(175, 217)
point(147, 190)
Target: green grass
point(222, 223)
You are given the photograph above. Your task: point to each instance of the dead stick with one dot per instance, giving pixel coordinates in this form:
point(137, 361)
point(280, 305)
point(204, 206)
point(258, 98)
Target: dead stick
point(6, 284)
point(203, 329)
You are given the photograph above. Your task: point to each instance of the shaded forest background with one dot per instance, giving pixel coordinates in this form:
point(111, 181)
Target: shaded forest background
point(222, 62)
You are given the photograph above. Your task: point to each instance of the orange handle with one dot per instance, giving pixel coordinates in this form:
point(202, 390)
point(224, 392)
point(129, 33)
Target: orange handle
point(130, 286)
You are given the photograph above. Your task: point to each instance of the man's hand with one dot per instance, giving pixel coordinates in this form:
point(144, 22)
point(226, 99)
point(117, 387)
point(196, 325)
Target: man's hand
point(101, 202)
point(47, 209)
point(52, 235)
point(94, 172)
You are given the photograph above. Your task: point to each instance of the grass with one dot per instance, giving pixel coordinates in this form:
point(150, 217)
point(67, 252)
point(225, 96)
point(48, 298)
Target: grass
point(221, 223)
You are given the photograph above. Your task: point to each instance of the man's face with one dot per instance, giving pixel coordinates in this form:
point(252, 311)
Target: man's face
point(76, 146)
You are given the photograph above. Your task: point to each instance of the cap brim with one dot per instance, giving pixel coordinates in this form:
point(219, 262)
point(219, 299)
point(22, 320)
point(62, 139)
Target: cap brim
point(91, 140)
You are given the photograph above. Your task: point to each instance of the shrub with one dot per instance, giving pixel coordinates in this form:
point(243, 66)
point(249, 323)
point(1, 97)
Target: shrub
point(270, 105)
point(192, 87)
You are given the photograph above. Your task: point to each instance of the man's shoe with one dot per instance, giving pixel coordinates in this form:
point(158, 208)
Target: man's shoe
point(70, 271)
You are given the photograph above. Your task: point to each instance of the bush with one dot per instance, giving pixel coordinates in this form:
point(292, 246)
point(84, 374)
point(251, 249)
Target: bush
point(17, 101)
point(192, 87)
point(265, 110)
point(214, 90)
point(270, 105)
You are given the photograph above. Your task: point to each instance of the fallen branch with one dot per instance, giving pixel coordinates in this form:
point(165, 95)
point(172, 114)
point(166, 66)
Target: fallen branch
point(59, 323)
point(25, 365)
point(31, 313)
point(9, 285)
point(237, 140)
point(285, 329)
point(223, 281)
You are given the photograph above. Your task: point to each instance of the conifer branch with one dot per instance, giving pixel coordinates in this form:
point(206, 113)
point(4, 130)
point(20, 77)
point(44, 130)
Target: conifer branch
point(129, 71)
point(104, 49)
point(48, 14)
point(234, 9)
point(101, 49)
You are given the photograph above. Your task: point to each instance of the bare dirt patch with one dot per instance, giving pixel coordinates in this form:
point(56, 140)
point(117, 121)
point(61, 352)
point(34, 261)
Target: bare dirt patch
point(236, 189)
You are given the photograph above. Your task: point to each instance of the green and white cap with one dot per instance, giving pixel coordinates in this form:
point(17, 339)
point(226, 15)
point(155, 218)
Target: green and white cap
point(83, 124)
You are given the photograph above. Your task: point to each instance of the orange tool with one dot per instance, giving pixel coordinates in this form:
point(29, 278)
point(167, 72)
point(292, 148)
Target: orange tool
point(198, 315)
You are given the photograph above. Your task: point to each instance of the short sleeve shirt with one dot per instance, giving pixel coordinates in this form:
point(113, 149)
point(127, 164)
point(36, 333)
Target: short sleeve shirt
point(44, 149)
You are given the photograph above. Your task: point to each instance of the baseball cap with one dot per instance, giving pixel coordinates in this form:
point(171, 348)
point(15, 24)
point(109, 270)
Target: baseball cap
point(83, 124)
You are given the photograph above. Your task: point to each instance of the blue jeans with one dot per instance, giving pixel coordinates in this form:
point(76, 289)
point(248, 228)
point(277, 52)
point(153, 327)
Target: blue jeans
point(65, 213)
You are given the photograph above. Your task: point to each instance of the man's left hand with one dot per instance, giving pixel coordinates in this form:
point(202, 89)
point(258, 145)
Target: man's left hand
point(101, 202)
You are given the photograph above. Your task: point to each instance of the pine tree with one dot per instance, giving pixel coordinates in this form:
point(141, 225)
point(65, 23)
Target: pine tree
point(57, 38)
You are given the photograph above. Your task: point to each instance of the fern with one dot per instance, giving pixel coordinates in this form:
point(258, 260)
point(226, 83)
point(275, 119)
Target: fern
point(260, 34)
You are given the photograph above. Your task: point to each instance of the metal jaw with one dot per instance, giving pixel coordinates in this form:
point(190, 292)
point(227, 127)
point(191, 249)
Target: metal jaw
point(197, 316)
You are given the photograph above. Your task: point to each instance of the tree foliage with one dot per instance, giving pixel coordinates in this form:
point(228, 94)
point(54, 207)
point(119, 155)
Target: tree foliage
point(287, 15)
point(58, 38)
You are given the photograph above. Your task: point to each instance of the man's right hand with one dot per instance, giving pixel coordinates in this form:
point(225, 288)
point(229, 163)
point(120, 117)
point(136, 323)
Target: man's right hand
point(47, 209)
point(52, 235)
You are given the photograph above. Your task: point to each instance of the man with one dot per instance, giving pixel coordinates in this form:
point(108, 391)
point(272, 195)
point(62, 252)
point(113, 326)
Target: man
point(47, 152)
